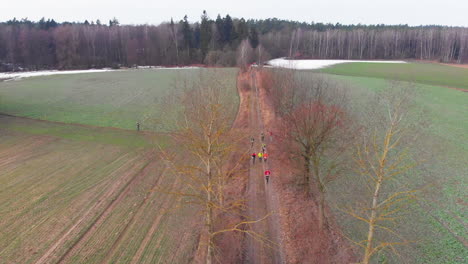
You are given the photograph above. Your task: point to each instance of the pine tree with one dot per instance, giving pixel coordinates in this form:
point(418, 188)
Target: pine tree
point(186, 33)
point(242, 29)
point(42, 23)
point(253, 37)
point(174, 38)
point(220, 31)
point(228, 30)
point(196, 36)
point(114, 22)
point(187, 43)
point(50, 24)
point(205, 34)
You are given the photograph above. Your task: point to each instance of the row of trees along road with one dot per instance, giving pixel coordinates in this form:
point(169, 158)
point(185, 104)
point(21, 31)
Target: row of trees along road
point(326, 141)
point(208, 153)
point(47, 44)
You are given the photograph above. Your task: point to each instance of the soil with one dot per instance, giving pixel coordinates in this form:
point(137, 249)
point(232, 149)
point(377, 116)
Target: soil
point(115, 193)
point(292, 226)
point(464, 66)
point(458, 89)
point(259, 197)
point(156, 223)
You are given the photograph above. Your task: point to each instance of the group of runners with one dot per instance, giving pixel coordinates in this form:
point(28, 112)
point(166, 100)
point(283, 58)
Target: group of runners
point(261, 155)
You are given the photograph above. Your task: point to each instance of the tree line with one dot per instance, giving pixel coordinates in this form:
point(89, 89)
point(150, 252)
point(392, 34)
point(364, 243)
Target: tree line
point(47, 44)
point(319, 133)
point(369, 149)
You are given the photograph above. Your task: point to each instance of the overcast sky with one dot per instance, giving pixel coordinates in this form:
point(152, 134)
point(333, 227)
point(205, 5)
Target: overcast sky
point(412, 12)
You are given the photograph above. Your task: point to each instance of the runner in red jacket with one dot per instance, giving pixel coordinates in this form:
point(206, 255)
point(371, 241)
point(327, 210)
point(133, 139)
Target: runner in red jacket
point(267, 175)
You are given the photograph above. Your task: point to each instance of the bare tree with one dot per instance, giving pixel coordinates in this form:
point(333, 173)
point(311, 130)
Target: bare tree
point(213, 155)
point(381, 157)
point(316, 129)
point(244, 55)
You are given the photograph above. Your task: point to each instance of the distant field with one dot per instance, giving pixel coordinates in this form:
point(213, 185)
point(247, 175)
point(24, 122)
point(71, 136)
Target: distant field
point(437, 220)
point(82, 195)
point(425, 73)
point(109, 99)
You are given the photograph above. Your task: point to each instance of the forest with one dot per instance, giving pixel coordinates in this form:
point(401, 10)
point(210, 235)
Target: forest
point(224, 41)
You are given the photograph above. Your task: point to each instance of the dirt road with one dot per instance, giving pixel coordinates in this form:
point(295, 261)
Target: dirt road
point(292, 226)
point(259, 195)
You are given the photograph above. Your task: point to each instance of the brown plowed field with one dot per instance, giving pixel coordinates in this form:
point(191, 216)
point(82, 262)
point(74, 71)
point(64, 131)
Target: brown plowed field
point(74, 201)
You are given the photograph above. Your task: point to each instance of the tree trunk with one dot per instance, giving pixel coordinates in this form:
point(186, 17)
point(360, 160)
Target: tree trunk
point(209, 197)
point(321, 194)
point(307, 173)
point(209, 224)
point(321, 209)
point(372, 219)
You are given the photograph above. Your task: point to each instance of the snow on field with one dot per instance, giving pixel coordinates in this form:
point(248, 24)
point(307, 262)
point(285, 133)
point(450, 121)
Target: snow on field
point(168, 68)
point(315, 64)
point(20, 75)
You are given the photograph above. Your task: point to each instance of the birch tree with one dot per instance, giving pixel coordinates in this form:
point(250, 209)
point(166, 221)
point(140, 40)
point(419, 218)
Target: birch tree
point(381, 158)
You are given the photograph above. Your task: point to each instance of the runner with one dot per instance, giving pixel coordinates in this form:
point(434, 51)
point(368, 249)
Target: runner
point(263, 147)
point(267, 175)
point(262, 136)
point(260, 155)
point(253, 157)
point(265, 156)
point(252, 141)
point(271, 136)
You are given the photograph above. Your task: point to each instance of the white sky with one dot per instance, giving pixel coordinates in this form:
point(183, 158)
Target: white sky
point(412, 12)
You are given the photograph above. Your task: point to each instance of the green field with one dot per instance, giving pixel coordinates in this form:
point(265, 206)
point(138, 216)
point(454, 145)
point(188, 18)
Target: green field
point(111, 99)
point(425, 73)
point(82, 192)
point(437, 221)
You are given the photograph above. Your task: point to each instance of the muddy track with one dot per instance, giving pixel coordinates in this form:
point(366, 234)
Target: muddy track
point(296, 226)
point(258, 194)
point(116, 193)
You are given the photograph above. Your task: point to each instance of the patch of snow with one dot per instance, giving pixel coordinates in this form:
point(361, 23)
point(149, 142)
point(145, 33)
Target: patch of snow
point(20, 75)
point(165, 68)
point(176, 68)
point(8, 76)
point(316, 64)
